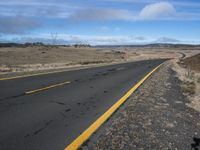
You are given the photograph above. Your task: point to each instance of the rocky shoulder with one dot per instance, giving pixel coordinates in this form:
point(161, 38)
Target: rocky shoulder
point(157, 116)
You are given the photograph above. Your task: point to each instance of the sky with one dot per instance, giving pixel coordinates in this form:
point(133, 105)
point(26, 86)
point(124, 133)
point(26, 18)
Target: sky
point(100, 22)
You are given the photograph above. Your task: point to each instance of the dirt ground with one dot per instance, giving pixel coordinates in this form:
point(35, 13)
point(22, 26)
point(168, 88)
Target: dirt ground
point(41, 58)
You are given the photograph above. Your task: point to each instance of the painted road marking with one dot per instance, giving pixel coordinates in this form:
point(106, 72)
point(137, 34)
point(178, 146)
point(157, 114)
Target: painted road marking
point(30, 75)
point(46, 88)
point(51, 72)
point(92, 128)
point(44, 73)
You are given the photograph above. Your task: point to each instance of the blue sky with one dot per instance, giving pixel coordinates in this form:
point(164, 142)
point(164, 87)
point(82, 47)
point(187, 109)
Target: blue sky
point(100, 22)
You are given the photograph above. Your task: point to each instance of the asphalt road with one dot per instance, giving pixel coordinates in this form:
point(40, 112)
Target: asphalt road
point(53, 118)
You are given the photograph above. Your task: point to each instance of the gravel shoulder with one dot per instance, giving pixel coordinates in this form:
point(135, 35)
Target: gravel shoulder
point(155, 117)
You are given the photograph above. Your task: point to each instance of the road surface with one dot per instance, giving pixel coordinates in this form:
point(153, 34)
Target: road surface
point(49, 111)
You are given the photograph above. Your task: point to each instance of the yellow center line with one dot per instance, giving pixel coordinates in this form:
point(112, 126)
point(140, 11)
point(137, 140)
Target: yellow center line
point(93, 127)
point(46, 88)
point(29, 75)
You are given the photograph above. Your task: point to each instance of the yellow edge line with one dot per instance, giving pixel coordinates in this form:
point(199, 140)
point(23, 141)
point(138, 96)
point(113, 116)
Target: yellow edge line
point(92, 128)
point(29, 75)
point(46, 88)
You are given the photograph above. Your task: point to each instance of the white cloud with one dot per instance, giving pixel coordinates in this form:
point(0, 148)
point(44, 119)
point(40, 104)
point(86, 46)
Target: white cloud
point(98, 40)
point(161, 10)
point(64, 10)
point(139, 38)
point(154, 11)
point(104, 40)
point(103, 14)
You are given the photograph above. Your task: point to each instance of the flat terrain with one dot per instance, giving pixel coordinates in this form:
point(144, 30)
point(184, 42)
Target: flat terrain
point(45, 54)
point(41, 58)
point(53, 118)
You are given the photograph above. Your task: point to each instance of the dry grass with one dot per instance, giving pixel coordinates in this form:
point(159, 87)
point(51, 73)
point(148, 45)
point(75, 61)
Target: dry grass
point(92, 62)
point(198, 80)
point(46, 55)
point(188, 87)
point(192, 63)
point(45, 58)
point(25, 59)
point(188, 72)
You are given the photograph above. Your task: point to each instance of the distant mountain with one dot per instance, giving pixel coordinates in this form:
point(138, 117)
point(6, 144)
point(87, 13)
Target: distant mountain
point(153, 45)
point(167, 40)
point(20, 45)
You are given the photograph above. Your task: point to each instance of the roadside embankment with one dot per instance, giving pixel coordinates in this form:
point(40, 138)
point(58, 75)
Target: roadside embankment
point(188, 71)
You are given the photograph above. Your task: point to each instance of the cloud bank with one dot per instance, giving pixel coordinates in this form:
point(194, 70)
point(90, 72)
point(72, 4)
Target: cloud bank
point(101, 14)
point(17, 25)
point(97, 40)
point(155, 11)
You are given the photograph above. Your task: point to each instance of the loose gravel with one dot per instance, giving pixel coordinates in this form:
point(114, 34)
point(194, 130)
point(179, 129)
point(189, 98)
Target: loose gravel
point(155, 117)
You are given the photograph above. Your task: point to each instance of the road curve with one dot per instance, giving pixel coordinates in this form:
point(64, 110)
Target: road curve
point(62, 105)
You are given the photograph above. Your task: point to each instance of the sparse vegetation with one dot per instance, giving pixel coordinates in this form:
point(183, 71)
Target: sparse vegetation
point(39, 56)
point(188, 87)
point(81, 45)
point(198, 80)
point(188, 73)
point(92, 62)
point(192, 63)
point(22, 45)
point(119, 52)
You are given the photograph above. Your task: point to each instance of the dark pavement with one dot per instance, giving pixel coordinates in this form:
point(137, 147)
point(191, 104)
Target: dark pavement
point(53, 118)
